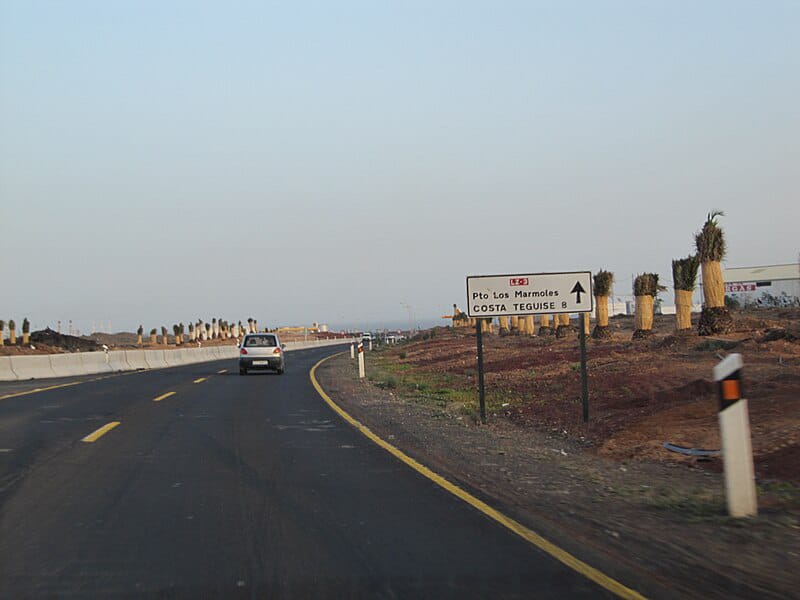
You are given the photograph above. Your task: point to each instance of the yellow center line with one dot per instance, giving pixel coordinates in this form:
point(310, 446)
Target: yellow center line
point(162, 396)
point(64, 385)
point(600, 578)
point(96, 435)
point(201, 380)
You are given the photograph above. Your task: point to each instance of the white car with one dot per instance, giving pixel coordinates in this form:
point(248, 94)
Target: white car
point(261, 351)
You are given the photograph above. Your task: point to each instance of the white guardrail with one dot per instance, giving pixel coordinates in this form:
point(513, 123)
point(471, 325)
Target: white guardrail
point(41, 366)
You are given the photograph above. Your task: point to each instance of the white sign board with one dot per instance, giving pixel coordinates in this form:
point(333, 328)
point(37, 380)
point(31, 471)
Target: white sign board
point(529, 294)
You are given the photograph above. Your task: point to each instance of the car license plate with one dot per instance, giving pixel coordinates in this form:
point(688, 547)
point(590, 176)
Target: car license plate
point(260, 362)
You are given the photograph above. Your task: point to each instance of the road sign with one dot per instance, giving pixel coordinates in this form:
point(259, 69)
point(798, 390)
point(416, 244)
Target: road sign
point(529, 294)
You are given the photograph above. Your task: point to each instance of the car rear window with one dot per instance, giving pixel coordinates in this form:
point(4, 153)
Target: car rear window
point(260, 340)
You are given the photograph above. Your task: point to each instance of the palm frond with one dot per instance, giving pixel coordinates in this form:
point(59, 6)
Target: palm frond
point(684, 272)
point(602, 282)
point(710, 241)
point(646, 284)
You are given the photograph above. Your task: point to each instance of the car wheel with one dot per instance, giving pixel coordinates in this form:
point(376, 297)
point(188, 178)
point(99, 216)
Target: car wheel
point(242, 371)
point(280, 371)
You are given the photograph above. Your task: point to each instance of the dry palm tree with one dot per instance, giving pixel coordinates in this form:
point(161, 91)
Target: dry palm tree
point(684, 278)
point(545, 328)
point(164, 338)
point(153, 336)
point(208, 332)
point(250, 325)
point(176, 331)
point(26, 331)
point(603, 280)
point(710, 244)
point(182, 330)
point(139, 333)
point(645, 289)
point(2, 327)
point(191, 332)
point(12, 332)
point(514, 324)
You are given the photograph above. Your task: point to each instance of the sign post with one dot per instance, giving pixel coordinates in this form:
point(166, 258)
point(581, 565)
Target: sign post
point(490, 296)
point(737, 449)
point(481, 388)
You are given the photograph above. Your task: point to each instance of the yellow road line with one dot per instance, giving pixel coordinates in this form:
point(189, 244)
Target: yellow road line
point(64, 385)
point(201, 380)
point(96, 435)
point(529, 535)
point(222, 371)
point(162, 396)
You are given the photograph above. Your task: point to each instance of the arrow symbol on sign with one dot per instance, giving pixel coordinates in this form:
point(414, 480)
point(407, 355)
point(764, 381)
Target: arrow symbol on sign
point(578, 290)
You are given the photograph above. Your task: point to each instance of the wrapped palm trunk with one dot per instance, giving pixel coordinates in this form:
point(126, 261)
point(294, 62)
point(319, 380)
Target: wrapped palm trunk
point(153, 339)
point(529, 325)
point(12, 334)
point(601, 317)
point(544, 325)
point(504, 330)
point(486, 326)
point(683, 310)
point(563, 325)
point(643, 320)
point(515, 324)
point(715, 318)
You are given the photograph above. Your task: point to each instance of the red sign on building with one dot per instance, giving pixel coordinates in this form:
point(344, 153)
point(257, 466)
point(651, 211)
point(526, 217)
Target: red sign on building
point(514, 281)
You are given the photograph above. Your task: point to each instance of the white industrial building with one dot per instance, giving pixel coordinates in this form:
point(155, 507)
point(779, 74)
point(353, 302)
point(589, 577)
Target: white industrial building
point(773, 285)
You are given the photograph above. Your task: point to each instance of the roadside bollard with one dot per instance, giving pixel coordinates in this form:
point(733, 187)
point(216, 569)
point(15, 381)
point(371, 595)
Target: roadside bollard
point(361, 373)
point(370, 344)
point(352, 351)
point(737, 448)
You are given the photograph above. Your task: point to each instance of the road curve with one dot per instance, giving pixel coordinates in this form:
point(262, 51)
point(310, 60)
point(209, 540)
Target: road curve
point(234, 486)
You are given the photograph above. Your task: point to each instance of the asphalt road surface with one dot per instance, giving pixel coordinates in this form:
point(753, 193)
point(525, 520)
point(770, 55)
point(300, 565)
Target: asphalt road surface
point(234, 487)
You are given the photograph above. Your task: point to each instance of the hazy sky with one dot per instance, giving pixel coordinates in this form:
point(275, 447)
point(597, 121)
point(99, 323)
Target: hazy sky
point(298, 162)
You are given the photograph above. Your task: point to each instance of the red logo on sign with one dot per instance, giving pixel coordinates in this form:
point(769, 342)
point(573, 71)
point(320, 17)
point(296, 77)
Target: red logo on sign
point(514, 281)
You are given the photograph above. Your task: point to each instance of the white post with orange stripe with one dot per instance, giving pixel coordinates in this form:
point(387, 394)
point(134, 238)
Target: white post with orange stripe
point(352, 351)
point(737, 449)
point(361, 373)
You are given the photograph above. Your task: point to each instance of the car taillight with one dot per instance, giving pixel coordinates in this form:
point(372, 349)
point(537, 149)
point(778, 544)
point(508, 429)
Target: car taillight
point(276, 351)
point(242, 351)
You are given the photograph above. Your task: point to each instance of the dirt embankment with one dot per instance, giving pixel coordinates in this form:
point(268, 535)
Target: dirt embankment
point(607, 491)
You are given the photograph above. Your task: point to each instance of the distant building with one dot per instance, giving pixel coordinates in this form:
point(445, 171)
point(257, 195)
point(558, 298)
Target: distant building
point(769, 286)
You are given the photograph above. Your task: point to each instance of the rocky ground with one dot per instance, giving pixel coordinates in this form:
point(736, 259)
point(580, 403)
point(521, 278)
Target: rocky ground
point(607, 491)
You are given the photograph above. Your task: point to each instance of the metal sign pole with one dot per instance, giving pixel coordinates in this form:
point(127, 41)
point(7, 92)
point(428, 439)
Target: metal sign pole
point(481, 389)
point(584, 378)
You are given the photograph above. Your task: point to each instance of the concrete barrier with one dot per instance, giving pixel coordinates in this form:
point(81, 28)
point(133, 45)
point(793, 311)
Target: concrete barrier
point(34, 366)
point(66, 365)
point(135, 359)
point(6, 372)
point(39, 366)
point(155, 359)
point(173, 358)
point(118, 361)
point(95, 362)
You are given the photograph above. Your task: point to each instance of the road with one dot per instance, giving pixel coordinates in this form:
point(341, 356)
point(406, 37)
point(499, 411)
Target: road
point(234, 486)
